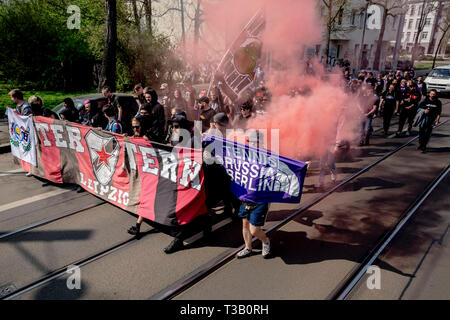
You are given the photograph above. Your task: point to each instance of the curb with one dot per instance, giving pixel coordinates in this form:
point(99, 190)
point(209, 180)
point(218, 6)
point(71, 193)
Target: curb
point(5, 148)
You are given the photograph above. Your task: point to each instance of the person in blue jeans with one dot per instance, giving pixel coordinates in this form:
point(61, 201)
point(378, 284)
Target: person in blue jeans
point(254, 215)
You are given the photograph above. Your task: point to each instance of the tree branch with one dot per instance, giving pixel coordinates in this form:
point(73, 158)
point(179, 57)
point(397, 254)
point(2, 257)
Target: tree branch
point(165, 12)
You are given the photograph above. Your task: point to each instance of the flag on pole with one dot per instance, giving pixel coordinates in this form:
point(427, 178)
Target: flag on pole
point(237, 68)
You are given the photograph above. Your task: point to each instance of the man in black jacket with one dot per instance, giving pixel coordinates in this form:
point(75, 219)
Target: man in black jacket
point(433, 108)
point(153, 109)
point(422, 86)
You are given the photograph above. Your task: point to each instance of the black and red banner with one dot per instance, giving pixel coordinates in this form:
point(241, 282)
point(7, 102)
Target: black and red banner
point(161, 183)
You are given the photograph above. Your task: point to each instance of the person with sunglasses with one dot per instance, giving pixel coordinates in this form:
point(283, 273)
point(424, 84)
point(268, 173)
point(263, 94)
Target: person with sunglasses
point(245, 116)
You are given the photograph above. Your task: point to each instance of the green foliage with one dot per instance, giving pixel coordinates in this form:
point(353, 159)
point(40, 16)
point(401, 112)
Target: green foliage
point(50, 98)
point(39, 52)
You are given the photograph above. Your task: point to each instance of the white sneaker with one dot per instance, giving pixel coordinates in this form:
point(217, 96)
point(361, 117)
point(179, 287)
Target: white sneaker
point(333, 177)
point(244, 253)
point(266, 249)
point(29, 174)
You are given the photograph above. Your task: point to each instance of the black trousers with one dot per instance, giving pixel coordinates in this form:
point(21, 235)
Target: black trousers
point(406, 115)
point(388, 112)
point(185, 231)
point(424, 135)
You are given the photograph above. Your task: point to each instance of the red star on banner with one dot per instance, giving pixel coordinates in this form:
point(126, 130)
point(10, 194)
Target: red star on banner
point(103, 156)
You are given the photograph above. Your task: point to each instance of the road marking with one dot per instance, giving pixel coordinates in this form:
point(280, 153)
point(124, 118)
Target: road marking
point(12, 172)
point(26, 201)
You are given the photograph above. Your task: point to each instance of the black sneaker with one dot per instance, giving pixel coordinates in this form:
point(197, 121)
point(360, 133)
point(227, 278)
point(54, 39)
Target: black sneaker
point(133, 230)
point(174, 246)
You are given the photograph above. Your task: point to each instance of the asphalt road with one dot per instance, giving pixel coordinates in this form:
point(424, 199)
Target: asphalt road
point(312, 253)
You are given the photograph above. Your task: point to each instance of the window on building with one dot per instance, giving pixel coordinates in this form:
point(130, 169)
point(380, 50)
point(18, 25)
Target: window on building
point(408, 35)
point(412, 9)
point(424, 35)
point(417, 24)
point(410, 22)
point(414, 37)
point(394, 22)
point(428, 21)
point(419, 10)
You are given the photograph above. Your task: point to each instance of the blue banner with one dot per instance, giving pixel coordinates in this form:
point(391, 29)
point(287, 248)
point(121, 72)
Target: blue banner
point(257, 175)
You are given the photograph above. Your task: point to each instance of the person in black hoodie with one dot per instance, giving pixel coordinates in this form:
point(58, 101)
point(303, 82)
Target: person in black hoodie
point(432, 113)
point(153, 109)
point(70, 112)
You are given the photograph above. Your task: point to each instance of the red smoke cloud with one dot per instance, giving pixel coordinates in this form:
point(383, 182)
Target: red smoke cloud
point(308, 123)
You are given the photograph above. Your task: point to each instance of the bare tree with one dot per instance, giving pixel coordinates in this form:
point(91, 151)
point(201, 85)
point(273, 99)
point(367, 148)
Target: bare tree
point(427, 6)
point(444, 27)
point(335, 10)
point(108, 74)
point(389, 8)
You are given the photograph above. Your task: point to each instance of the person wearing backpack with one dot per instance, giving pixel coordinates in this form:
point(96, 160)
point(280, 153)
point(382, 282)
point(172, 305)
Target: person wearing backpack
point(113, 125)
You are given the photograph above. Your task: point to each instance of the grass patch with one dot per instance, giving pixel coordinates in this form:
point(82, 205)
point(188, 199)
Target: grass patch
point(50, 98)
point(426, 65)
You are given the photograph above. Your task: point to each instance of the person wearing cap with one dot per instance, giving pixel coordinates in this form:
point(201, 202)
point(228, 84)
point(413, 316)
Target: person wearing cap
point(206, 113)
point(219, 125)
point(254, 214)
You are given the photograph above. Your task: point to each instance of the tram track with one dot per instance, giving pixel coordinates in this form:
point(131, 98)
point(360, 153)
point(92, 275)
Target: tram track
point(355, 275)
point(207, 269)
point(202, 272)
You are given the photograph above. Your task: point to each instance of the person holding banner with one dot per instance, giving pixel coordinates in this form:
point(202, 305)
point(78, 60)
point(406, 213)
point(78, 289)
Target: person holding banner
point(22, 106)
point(254, 214)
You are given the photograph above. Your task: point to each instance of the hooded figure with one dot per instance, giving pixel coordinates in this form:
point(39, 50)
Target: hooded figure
point(158, 118)
point(177, 123)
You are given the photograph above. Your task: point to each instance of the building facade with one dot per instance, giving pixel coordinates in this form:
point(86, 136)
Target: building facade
point(430, 34)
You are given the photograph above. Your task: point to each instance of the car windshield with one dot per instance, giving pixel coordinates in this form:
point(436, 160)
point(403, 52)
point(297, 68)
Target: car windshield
point(440, 73)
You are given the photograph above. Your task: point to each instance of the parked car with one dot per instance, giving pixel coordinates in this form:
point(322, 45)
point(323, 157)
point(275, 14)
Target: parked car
point(128, 103)
point(439, 79)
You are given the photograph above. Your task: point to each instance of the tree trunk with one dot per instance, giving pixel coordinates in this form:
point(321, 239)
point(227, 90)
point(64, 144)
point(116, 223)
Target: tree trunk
point(435, 28)
point(415, 50)
point(137, 19)
point(439, 47)
point(148, 15)
point(329, 27)
point(376, 61)
point(183, 32)
point(197, 23)
point(108, 75)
